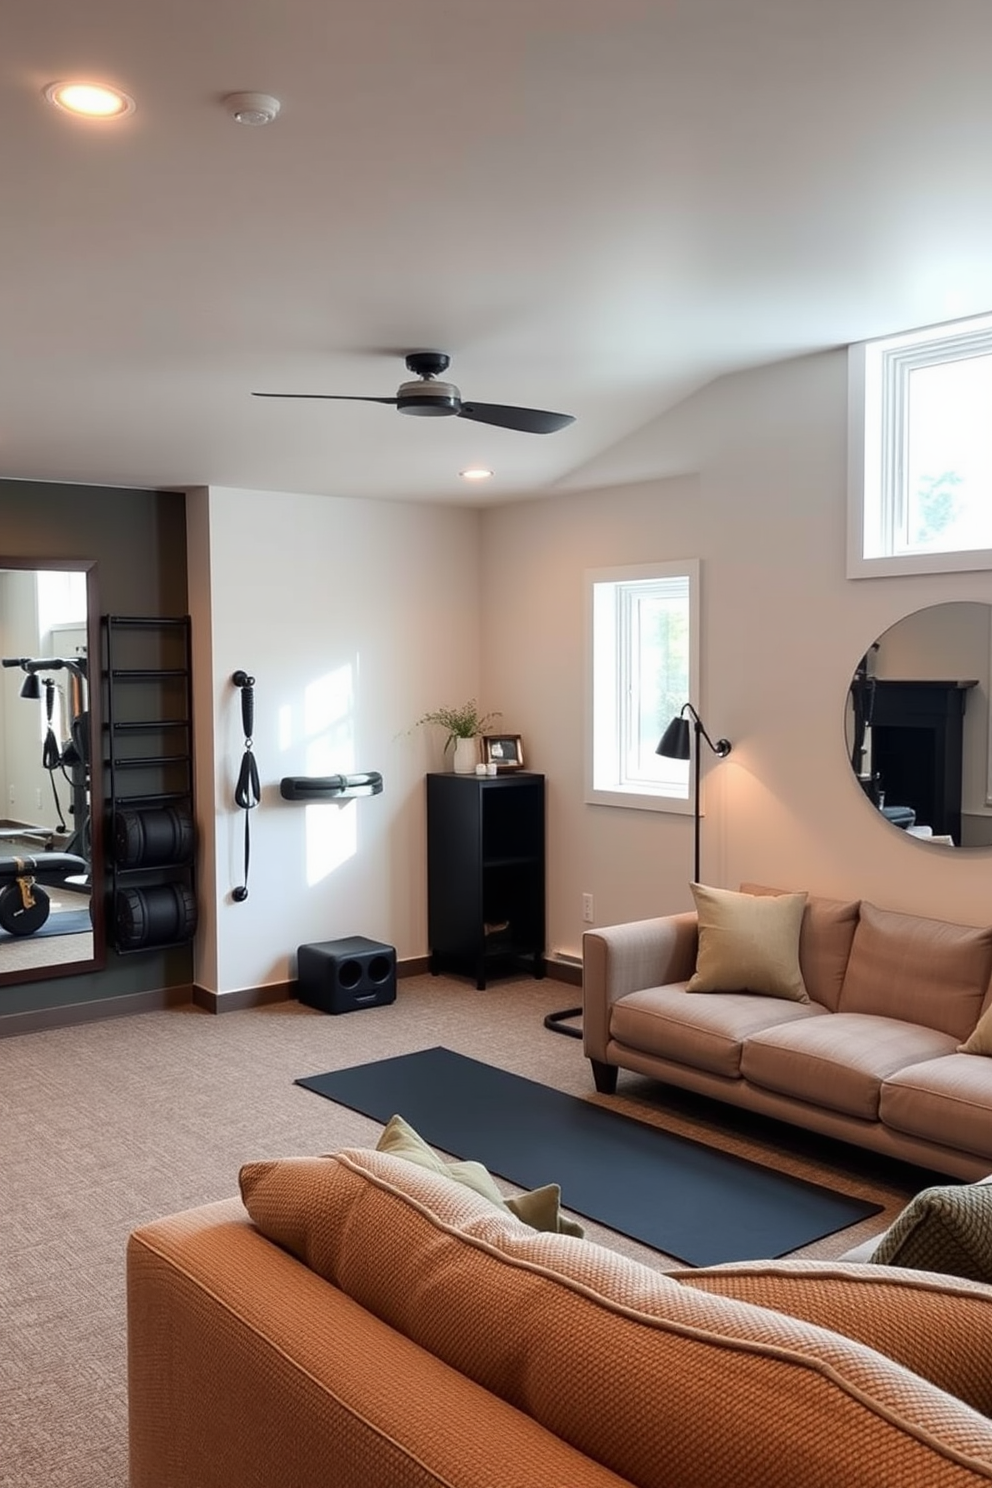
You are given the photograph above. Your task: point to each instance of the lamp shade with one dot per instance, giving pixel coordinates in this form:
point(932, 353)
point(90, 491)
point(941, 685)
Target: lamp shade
point(31, 687)
point(674, 743)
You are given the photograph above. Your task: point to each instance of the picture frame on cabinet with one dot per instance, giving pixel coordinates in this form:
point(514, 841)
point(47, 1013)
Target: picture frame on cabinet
point(505, 751)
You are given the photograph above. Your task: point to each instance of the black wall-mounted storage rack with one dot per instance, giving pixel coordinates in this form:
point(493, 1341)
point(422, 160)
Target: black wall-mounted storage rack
point(151, 846)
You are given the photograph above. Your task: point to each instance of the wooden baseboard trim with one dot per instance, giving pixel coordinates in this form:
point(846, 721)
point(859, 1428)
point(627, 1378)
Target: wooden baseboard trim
point(413, 966)
point(564, 971)
point(244, 997)
point(250, 997)
point(69, 1013)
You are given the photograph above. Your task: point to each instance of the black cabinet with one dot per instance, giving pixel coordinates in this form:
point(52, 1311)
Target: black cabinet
point(916, 749)
point(485, 873)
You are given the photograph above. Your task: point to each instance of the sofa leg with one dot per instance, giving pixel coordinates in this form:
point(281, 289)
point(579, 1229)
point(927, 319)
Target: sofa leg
point(605, 1076)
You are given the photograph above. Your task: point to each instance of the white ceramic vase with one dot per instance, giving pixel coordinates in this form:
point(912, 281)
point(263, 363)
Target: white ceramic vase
point(466, 756)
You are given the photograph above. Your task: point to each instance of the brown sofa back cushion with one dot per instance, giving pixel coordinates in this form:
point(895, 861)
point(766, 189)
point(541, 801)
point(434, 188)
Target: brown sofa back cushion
point(620, 1361)
point(824, 942)
point(924, 971)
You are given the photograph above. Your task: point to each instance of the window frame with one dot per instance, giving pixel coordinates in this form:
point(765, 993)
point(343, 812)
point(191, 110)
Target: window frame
point(631, 796)
point(878, 380)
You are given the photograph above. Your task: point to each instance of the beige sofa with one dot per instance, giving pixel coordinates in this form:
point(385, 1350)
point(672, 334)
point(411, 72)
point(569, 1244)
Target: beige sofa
point(873, 1057)
point(369, 1324)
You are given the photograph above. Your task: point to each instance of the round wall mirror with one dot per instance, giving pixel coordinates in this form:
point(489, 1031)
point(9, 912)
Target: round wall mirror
point(917, 725)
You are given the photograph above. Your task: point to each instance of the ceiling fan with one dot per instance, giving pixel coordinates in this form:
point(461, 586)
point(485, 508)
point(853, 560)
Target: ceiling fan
point(428, 398)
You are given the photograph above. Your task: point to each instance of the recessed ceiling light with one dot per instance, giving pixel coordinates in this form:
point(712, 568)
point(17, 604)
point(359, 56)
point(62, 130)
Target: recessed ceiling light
point(90, 100)
point(475, 472)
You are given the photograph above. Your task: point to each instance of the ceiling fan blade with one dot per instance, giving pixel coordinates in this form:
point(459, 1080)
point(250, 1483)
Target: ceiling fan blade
point(526, 420)
point(337, 397)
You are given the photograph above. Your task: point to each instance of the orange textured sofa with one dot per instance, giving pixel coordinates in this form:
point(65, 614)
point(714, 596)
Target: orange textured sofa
point(872, 1057)
point(369, 1324)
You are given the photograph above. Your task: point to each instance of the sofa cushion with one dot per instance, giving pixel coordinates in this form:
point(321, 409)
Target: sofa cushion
point(946, 1100)
point(838, 1061)
point(918, 970)
point(939, 1326)
point(540, 1208)
point(825, 940)
point(550, 1323)
point(748, 943)
point(706, 1033)
point(946, 1228)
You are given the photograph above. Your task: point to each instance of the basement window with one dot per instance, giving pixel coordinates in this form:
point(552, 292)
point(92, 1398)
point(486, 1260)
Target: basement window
point(920, 456)
point(642, 629)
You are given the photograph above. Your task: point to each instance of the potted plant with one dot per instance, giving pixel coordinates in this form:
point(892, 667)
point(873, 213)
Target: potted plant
point(464, 725)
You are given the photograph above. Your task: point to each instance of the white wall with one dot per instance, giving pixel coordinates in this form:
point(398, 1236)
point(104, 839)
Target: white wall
point(355, 618)
point(27, 787)
point(763, 505)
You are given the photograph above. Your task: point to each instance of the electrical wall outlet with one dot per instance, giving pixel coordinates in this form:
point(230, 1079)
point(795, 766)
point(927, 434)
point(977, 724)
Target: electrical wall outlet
point(587, 913)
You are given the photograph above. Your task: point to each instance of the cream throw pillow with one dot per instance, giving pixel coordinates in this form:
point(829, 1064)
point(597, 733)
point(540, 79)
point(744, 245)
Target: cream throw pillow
point(979, 1041)
point(748, 943)
point(539, 1209)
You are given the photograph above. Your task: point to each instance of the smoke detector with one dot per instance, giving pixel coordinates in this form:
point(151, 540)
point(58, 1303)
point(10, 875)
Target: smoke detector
point(252, 108)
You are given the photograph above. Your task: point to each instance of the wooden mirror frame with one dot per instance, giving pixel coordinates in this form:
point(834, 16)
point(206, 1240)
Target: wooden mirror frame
point(45, 971)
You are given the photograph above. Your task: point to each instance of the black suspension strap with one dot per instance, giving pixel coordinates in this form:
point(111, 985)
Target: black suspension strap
point(51, 755)
point(247, 792)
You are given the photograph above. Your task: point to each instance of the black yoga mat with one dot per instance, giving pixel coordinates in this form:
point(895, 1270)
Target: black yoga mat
point(61, 922)
point(695, 1203)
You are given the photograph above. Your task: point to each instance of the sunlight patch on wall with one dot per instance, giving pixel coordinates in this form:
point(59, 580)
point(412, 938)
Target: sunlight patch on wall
point(329, 731)
point(331, 838)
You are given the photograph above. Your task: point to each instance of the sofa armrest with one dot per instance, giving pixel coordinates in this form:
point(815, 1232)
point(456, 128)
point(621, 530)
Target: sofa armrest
point(246, 1369)
point(618, 959)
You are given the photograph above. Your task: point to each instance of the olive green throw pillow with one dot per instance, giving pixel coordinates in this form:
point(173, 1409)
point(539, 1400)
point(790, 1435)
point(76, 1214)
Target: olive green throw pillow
point(946, 1229)
point(539, 1209)
point(748, 943)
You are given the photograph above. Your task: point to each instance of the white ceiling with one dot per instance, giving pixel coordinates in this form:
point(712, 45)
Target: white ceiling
point(594, 206)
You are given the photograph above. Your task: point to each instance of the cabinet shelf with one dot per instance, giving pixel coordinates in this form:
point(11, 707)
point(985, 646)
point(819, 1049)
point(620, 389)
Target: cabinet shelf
point(485, 873)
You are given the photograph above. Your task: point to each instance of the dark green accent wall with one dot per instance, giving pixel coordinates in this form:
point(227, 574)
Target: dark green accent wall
point(138, 539)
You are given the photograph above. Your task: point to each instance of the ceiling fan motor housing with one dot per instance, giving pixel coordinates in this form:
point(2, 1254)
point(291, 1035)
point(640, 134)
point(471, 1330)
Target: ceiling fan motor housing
point(429, 399)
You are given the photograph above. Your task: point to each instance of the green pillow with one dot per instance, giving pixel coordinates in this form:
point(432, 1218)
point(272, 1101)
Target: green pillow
point(539, 1209)
point(946, 1229)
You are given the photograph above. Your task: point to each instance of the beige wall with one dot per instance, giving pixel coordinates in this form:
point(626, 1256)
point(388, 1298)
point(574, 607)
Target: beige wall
point(763, 506)
point(355, 618)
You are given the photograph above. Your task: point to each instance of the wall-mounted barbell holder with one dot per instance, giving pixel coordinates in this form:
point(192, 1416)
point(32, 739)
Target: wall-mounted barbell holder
point(330, 787)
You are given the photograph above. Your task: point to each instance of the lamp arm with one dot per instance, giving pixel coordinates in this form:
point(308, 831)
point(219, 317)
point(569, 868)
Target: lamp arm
point(722, 747)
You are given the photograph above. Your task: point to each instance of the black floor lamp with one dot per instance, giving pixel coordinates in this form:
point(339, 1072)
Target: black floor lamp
point(674, 744)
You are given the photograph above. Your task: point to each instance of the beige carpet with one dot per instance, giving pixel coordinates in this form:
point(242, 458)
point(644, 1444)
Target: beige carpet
point(109, 1124)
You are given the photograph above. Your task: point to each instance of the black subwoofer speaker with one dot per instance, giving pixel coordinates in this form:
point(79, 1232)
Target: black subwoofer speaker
point(340, 976)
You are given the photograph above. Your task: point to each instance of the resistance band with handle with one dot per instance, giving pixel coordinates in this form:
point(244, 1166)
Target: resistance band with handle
point(247, 792)
point(51, 755)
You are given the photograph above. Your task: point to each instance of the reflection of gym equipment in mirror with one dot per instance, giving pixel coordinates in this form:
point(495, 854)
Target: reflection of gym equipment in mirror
point(51, 912)
point(917, 724)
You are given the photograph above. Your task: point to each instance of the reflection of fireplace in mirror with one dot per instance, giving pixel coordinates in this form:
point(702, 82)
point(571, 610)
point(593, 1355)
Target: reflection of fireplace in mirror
point(915, 747)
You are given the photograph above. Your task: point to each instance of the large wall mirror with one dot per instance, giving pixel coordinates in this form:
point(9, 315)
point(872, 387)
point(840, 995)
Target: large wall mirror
point(51, 865)
point(917, 725)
